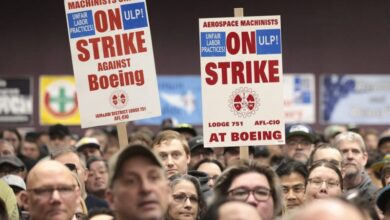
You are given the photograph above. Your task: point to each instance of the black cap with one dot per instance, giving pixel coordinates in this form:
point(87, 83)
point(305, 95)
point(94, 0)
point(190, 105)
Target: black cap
point(184, 127)
point(58, 130)
point(383, 199)
point(300, 130)
point(197, 142)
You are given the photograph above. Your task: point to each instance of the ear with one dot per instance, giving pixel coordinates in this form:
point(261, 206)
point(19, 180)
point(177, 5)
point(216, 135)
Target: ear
point(365, 158)
point(188, 159)
point(110, 198)
point(24, 199)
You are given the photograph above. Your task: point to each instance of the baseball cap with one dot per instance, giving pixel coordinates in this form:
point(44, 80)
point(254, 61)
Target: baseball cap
point(383, 198)
point(184, 127)
point(300, 130)
point(118, 159)
point(197, 142)
point(87, 142)
point(14, 181)
point(377, 167)
point(385, 136)
point(58, 130)
point(12, 160)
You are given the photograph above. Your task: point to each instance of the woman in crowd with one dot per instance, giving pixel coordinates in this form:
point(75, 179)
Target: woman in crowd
point(212, 167)
point(249, 182)
point(324, 180)
point(187, 201)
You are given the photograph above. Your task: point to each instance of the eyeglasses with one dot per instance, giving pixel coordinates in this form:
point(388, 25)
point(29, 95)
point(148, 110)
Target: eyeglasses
point(181, 198)
point(299, 188)
point(64, 191)
point(72, 167)
point(242, 193)
point(304, 144)
point(317, 182)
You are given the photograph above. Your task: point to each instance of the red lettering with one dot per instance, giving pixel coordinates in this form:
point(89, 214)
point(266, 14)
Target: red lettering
point(104, 22)
point(248, 42)
point(273, 70)
point(233, 43)
point(84, 53)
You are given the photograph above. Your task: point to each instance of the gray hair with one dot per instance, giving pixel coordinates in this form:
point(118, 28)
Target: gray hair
point(350, 137)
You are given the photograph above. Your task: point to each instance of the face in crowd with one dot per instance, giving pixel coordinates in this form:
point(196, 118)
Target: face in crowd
point(324, 181)
point(298, 148)
point(184, 204)
point(140, 190)
point(97, 181)
point(354, 154)
point(212, 170)
point(56, 196)
point(293, 186)
point(30, 150)
point(173, 151)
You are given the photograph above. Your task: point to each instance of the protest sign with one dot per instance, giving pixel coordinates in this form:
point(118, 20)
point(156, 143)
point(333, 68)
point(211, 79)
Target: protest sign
point(242, 81)
point(58, 100)
point(355, 99)
point(16, 100)
point(113, 61)
point(299, 98)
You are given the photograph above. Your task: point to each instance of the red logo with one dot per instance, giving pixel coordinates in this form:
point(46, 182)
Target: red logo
point(119, 99)
point(244, 102)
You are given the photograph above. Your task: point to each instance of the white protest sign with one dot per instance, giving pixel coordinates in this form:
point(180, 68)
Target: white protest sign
point(113, 61)
point(242, 81)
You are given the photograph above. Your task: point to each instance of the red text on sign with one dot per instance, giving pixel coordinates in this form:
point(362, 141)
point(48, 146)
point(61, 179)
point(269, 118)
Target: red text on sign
point(112, 46)
point(265, 71)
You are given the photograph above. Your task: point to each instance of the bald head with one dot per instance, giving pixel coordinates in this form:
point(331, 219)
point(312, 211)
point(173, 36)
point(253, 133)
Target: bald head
point(327, 209)
point(46, 169)
point(52, 192)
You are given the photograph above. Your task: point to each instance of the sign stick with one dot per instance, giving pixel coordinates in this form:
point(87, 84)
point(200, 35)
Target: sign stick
point(244, 150)
point(122, 134)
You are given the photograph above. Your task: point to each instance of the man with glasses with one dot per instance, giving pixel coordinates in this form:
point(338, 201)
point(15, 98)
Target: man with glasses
point(252, 183)
point(299, 142)
point(51, 192)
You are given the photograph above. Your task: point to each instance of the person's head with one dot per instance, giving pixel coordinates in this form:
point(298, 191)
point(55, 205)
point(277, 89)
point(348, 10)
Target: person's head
point(331, 131)
point(97, 181)
point(212, 167)
point(52, 192)
point(187, 130)
point(385, 174)
point(30, 150)
point(90, 147)
point(198, 151)
point(384, 142)
point(326, 152)
point(383, 201)
point(140, 137)
point(324, 180)
point(71, 158)
point(173, 150)
point(354, 152)
point(231, 210)
point(292, 175)
point(138, 186)
point(328, 209)
point(232, 154)
point(59, 137)
point(6, 148)
point(187, 202)
point(252, 183)
point(18, 186)
point(11, 165)
point(299, 142)
point(371, 138)
point(13, 137)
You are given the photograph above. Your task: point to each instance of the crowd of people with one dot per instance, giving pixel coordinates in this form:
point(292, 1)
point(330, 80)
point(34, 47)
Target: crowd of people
point(335, 174)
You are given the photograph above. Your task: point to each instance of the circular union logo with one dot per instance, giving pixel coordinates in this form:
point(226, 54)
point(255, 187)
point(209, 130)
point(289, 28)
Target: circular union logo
point(244, 102)
point(119, 99)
